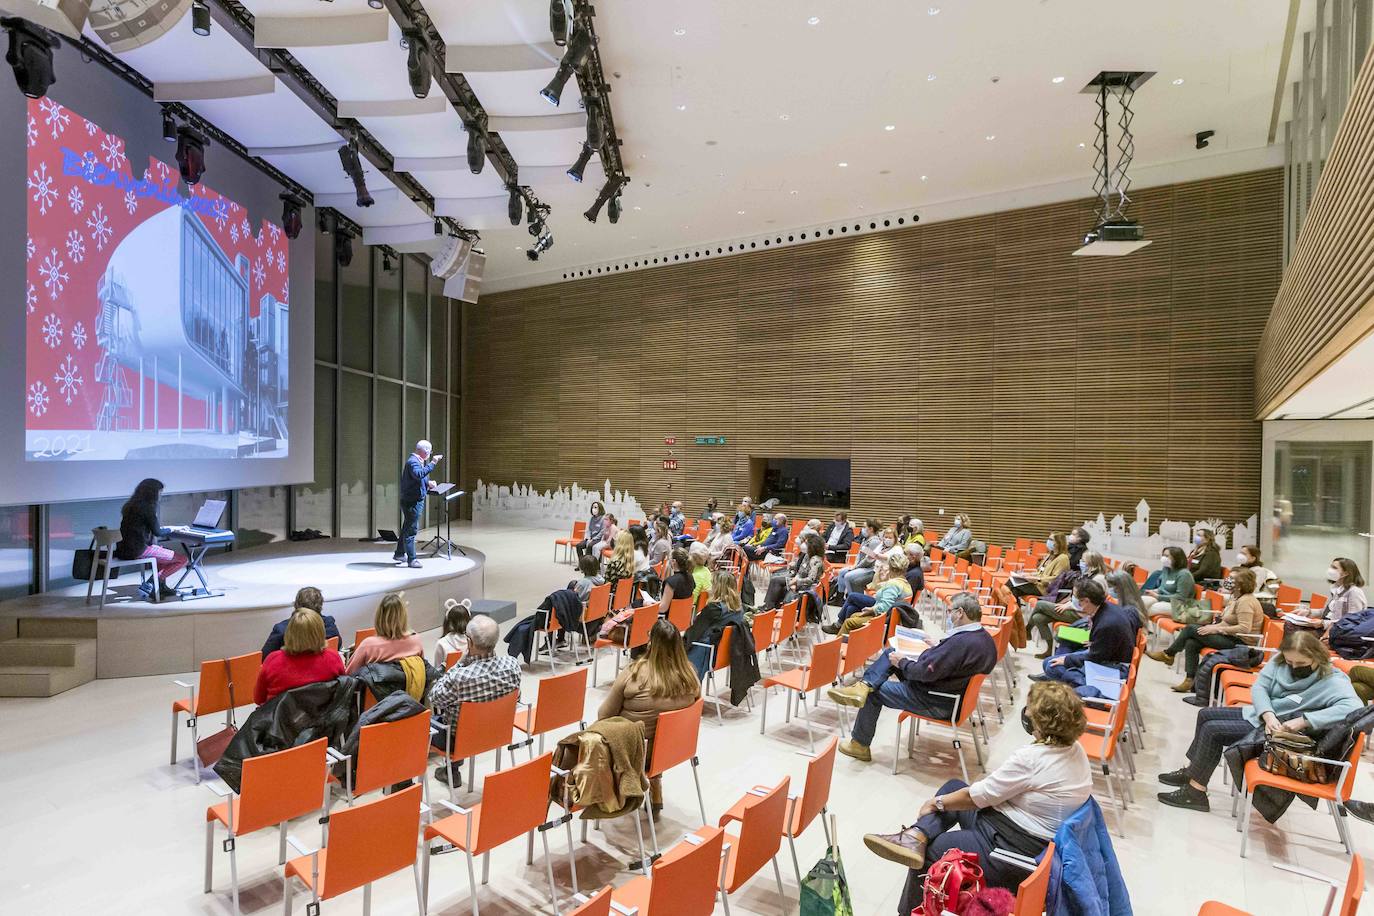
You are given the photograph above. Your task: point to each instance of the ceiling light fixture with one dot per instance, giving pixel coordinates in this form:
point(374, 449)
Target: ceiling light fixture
point(291, 215)
point(930, 77)
point(783, 117)
point(924, 177)
point(579, 166)
point(933, 11)
point(608, 190)
point(514, 206)
point(417, 64)
point(990, 137)
point(353, 168)
point(558, 22)
point(477, 148)
point(679, 32)
point(814, 20)
point(343, 246)
point(200, 18)
point(889, 127)
point(595, 126)
point(740, 212)
point(1179, 81)
point(30, 55)
point(613, 209)
point(1057, 80)
point(574, 56)
point(682, 108)
point(843, 165)
point(169, 126)
point(190, 154)
point(375, 4)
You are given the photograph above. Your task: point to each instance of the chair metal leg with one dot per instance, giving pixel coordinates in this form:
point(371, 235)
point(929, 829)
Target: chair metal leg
point(796, 866)
point(777, 874)
point(424, 876)
point(548, 867)
point(763, 704)
point(572, 855)
point(697, 779)
point(286, 895)
point(472, 882)
point(367, 899)
point(959, 748)
point(486, 867)
point(176, 720)
point(806, 711)
point(897, 746)
point(209, 854)
point(643, 857)
point(653, 831)
point(234, 875)
point(419, 895)
point(281, 843)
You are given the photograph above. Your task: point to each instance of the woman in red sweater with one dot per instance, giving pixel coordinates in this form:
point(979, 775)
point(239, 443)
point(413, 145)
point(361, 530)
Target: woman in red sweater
point(303, 658)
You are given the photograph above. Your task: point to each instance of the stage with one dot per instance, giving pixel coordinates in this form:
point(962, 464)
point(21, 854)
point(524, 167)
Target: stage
point(133, 637)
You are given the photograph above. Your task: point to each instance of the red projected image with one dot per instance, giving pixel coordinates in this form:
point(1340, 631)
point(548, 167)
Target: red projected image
point(157, 317)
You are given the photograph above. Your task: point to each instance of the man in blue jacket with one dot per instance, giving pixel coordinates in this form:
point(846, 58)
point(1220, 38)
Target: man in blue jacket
point(774, 542)
point(415, 483)
point(1111, 641)
point(913, 683)
point(744, 522)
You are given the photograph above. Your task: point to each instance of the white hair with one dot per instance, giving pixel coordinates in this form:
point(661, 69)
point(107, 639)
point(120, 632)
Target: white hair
point(424, 447)
point(482, 632)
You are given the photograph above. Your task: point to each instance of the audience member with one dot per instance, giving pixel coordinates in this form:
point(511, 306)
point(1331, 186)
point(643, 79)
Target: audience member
point(1122, 586)
point(744, 523)
point(1016, 808)
point(1347, 592)
point(1243, 617)
point(302, 659)
point(701, 570)
point(915, 569)
point(311, 599)
point(801, 575)
point(393, 640)
point(454, 638)
point(1055, 561)
point(621, 563)
point(479, 677)
point(1052, 609)
point(1299, 690)
point(677, 522)
point(659, 681)
point(1205, 560)
point(590, 567)
point(890, 588)
point(139, 529)
point(661, 544)
point(910, 531)
point(1093, 565)
point(1112, 643)
point(1077, 543)
point(914, 683)
point(639, 536)
point(719, 537)
point(958, 538)
point(838, 536)
point(1175, 588)
point(1248, 557)
point(679, 583)
point(594, 536)
point(855, 578)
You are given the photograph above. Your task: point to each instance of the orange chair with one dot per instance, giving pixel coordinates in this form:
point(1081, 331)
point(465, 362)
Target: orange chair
point(332, 643)
point(559, 701)
point(362, 634)
point(1350, 899)
point(519, 802)
point(964, 708)
point(640, 624)
point(682, 883)
point(598, 904)
point(821, 672)
point(1286, 598)
point(764, 628)
point(364, 844)
point(1335, 793)
point(579, 531)
point(225, 684)
point(675, 742)
point(388, 753)
point(805, 807)
point(762, 816)
point(275, 788)
point(1101, 741)
point(680, 613)
point(787, 625)
point(720, 660)
point(863, 644)
point(597, 607)
point(481, 727)
point(1031, 892)
point(623, 593)
point(452, 658)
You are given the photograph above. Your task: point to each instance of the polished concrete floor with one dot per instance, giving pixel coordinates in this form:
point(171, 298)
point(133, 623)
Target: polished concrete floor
point(95, 820)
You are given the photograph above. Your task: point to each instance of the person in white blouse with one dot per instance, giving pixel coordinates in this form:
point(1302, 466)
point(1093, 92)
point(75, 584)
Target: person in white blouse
point(1017, 807)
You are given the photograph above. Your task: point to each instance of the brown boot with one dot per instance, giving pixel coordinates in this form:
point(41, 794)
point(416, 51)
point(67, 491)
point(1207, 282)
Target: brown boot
point(856, 750)
point(1040, 656)
point(1161, 656)
point(1184, 686)
point(906, 847)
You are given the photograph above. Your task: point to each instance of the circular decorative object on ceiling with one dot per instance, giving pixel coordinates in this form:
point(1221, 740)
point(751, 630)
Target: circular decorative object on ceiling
point(127, 24)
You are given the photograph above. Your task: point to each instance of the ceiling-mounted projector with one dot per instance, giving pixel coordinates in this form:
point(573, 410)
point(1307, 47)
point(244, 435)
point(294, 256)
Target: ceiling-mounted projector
point(1113, 239)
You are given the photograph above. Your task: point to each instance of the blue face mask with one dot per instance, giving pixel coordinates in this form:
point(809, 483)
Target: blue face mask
point(1073, 603)
point(1082, 567)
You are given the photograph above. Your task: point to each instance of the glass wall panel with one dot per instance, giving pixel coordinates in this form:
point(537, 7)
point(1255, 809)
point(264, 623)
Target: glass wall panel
point(417, 313)
point(325, 309)
point(315, 501)
point(388, 454)
point(355, 456)
point(438, 343)
point(416, 419)
point(1321, 507)
point(455, 349)
point(16, 550)
point(389, 321)
point(357, 310)
point(262, 516)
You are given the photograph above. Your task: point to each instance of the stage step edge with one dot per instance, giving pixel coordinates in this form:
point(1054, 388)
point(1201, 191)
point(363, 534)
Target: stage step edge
point(31, 667)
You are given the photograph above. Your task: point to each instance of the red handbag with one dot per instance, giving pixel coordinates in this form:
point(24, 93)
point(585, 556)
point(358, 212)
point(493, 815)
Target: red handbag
point(951, 884)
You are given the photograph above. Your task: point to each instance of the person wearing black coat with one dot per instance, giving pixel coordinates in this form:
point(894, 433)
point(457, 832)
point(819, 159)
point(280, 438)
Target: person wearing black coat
point(838, 535)
point(305, 598)
point(139, 529)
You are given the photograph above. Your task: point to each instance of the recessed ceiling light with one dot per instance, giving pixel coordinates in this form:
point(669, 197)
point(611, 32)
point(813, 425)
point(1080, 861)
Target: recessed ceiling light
point(519, 247)
point(740, 212)
point(924, 177)
point(679, 32)
point(889, 127)
point(792, 193)
point(990, 137)
point(682, 108)
point(814, 20)
point(930, 77)
point(1057, 79)
point(843, 165)
point(1179, 81)
point(1082, 146)
point(933, 11)
point(637, 207)
point(783, 117)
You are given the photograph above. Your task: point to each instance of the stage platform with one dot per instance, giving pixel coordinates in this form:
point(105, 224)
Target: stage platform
point(133, 637)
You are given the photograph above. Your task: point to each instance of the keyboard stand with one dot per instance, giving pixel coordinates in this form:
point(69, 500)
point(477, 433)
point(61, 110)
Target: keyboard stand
point(195, 548)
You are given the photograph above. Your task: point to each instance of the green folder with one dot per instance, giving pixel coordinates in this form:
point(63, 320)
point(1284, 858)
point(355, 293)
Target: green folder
point(1075, 635)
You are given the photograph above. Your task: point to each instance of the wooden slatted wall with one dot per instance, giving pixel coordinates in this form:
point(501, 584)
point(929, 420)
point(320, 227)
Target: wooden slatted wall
point(1326, 302)
point(970, 365)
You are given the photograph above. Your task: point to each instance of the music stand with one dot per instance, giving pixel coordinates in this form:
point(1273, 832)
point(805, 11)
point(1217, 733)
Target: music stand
point(444, 542)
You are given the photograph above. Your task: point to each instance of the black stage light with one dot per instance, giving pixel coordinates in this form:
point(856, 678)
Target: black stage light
point(1201, 138)
point(477, 149)
point(558, 22)
point(387, 264)
point(353, 168)
point(438, 226)
point(30, 54)
point(578, 167)
point(608, 191)
point(596, 128)
point(531, 254)
point(190, 154)
point(417, 65)
point(343, 247)
point(322, 220)
point(169, 126)
point(200, 18)
point(536, 227)
point(613, 209)
point(579, 46)
point(514, 206)
point(291, 215)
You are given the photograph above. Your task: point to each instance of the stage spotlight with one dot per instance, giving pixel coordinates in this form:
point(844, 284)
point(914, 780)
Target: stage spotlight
point(438, 226)
point(578, 167)
point(387, 264)
point(353, 168)
point(200, 18)
point(343, 247)
point(477, 149)
point(608, 190)
point(579, 46)
point(375, 4)
point(541, 244)
point(417, 64)
point(613, 209)
point(169, 126)
point(514, 206)
point(291, 215)
point(596, 128)
point(30, 54)
point(322, 220)
point(558, 22)
point(190, 154)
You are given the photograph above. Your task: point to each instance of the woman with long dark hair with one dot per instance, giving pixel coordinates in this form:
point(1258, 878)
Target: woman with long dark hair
point(139, 529)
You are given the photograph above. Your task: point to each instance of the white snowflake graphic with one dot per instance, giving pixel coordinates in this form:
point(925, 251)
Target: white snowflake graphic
point(76, 246)
point(281, 260)
point(29, 249)
point(38, 399)
point(130, 201)
point(286, 290)
point(78, 335)
point(89, 162)
point(52, 331)
point(33, 131)
point(43, 188)
point(75, 200)
point(113, 150)
point(31, 298)
point(221, 213)
point(99, 224)
point(261, 237)
point(91, 128)
point(163, 170)
point(68, 379)
point(54, 278)
point(244, 230)
point(233, 232)
point(259, 275)
point(54, 116)
point(275, 230)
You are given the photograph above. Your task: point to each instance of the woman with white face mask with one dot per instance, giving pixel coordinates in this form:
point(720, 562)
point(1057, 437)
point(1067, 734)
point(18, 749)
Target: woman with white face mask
point(1055, 561)
point(1346, 595)
point(1248, 557)
point(1176, 584)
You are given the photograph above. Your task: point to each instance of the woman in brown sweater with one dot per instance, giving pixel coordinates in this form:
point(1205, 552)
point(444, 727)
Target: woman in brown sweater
point(1243, 617)
point(659, 681)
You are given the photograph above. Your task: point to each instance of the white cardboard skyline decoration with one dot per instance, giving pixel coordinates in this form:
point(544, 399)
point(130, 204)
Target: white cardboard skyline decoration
point(1117, 539)
point(521, 504)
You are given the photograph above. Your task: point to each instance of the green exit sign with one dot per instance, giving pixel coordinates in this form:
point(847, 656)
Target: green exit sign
point(710, 440)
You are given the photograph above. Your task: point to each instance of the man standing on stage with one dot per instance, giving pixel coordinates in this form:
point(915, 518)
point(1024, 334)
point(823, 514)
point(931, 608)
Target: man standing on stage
point(415, 483)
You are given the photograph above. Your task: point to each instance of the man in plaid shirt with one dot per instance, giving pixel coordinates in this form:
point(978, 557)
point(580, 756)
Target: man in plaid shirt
point(479, 677)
